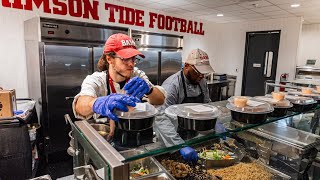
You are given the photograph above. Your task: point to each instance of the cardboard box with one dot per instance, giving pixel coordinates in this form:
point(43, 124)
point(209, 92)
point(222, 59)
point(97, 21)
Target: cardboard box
point(8, 103)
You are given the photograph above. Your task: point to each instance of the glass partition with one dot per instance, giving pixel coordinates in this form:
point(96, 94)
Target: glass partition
point(225, 119)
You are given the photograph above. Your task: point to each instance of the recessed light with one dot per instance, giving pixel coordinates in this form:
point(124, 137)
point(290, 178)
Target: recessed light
point(295, 5)
point(219, 15)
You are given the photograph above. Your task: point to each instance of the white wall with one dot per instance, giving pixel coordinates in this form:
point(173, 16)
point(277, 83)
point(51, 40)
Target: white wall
point(309, 44)
point(13, 72)
point(224, 43)
point(228, 45)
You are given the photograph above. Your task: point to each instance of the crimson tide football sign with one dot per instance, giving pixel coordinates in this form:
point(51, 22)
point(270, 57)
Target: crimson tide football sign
point(89, 9)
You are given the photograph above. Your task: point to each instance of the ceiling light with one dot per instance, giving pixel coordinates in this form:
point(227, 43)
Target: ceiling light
point(219, 15)
point(295, 5)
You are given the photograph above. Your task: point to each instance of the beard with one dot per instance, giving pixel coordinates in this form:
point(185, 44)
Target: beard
point(191, 80)
point(123, 73)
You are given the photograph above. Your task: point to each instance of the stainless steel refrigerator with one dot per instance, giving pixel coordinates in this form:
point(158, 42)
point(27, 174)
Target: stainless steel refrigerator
point(60, 54)
point(162, 54)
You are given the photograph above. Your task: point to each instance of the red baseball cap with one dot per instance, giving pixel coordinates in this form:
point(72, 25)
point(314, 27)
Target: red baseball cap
point(122, 45)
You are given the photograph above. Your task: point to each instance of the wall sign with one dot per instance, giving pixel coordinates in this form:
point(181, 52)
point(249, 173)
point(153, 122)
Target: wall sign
point(89, 9)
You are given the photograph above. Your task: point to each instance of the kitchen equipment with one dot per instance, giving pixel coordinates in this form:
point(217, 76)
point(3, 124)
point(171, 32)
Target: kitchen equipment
point(284, 148)
point(194, 116)
point(134, 128)
point(162, 54)
point(255, 111)
point(307, 73)
point(149, 163)
point(140, 118)
point(60, 54)
point(102, 129)
point(280, 107)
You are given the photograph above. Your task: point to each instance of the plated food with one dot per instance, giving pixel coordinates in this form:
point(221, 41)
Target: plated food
point(216, 155)
point(138, 170)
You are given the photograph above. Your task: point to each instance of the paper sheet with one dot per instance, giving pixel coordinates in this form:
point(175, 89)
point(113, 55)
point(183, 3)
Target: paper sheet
point(141, 107)
point(199, 108)
point(254, 103)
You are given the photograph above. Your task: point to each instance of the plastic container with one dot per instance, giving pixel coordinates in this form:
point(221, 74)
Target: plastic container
point(280, 107)
point(194, 116)
point(255, 111)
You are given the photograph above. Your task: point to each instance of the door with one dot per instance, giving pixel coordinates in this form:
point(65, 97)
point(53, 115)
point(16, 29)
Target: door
point(260, 63)
point(65, 69)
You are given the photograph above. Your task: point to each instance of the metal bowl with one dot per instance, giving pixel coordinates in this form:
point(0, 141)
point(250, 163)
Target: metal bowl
point(102, 129)
point(219, 163)
point(196, 124)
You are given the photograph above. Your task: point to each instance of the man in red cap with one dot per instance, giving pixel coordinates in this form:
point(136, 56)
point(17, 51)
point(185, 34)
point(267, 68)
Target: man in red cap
point(118, 84)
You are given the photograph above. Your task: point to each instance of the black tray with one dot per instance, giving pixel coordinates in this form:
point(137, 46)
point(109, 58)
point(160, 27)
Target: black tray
point(249, 118)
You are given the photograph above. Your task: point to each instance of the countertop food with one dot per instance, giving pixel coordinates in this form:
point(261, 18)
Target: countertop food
point(138, 170)
point(242, 171)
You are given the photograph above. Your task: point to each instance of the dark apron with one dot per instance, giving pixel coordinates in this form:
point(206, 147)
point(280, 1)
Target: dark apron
point(196, 99)
point(185, 134)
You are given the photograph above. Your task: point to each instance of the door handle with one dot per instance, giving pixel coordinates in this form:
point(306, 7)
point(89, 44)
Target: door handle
point(69, 97)
point(268, 64)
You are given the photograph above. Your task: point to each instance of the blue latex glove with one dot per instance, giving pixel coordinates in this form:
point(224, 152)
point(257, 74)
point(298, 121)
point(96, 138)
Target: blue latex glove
point(137, 87)
point(106, 104)
point(189, 154)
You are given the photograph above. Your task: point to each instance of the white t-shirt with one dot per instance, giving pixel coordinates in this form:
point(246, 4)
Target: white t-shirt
point(95, 85)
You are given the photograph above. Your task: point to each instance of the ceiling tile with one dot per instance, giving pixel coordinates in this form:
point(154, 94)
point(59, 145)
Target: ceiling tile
point(157, 6)
point(251, 16)
point(285, 1)
point(282, 16)
point(174, 10)
point(174, 3)
point(274, 13)
point(193, 7)
point(136, 2)
point(267, 9)
point(255, 4)
point(229, 8)
point(215, 3)
point(244, 11)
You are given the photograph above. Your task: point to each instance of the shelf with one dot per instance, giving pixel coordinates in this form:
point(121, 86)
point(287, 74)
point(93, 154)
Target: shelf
point(157, 149)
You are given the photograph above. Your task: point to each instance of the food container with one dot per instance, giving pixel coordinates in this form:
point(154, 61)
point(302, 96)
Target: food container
point(306, 90)
point(211, 163)
point(255, 111)
point(140, 118)
point(279, 96)
point(318, 89)
point(194, 116)
point(301, 103)
point(280, 106)
point(240, 101)
point(102, 129)
point(148, 163)
point(315, 96)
